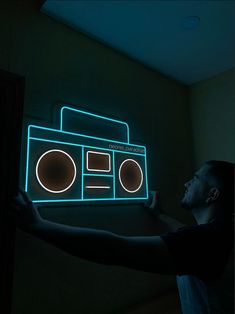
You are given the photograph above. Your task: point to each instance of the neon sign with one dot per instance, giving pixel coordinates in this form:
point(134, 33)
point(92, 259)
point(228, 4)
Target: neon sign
point(88, 158)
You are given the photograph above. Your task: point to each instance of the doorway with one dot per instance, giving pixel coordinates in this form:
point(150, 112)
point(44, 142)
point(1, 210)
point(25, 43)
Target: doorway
point(11, 117)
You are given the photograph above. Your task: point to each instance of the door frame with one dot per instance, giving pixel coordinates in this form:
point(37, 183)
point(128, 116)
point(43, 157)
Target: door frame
point(11, 104)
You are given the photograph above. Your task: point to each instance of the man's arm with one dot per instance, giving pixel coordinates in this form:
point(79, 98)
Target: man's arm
point(148, 254)
point(172, 223)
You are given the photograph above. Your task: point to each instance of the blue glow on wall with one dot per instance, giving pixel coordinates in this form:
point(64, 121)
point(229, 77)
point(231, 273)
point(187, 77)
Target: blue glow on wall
point(88, 158)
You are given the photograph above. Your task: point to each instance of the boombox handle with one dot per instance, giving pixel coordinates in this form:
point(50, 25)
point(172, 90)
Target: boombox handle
point(110, 124)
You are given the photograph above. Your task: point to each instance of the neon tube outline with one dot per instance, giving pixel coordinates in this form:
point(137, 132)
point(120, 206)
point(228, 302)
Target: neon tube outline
point(90, 199)
point(75, 171)
point(97, 187)
point(83, 146)
point(82, 198)
point(99, 153)
point(120, 180)
point(82, 135)
point(93, 115)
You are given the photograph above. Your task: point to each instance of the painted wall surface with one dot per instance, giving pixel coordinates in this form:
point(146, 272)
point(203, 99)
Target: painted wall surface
point(213, 112)
point(61, 65)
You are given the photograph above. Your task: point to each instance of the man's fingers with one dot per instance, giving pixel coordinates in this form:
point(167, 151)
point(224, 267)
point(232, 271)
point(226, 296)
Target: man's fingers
point(18, 201)
point(25, 196)
point(13, 206)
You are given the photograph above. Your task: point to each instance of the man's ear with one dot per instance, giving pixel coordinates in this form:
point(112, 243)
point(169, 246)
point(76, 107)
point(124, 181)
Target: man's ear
point(213, 195)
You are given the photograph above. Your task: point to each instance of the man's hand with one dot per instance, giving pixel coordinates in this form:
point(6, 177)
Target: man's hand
point(153, 203)
point(23, 212)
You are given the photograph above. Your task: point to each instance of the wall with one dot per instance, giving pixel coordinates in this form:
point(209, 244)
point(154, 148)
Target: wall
point(213, 112)
point(61, 65)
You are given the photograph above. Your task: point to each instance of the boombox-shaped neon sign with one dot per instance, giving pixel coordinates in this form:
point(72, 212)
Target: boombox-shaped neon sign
point(88, 158)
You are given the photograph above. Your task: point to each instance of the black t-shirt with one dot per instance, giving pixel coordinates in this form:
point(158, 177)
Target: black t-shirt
point(201, 250)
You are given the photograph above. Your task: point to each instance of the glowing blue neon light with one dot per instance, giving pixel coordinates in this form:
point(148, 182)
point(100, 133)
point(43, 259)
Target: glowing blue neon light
point(82, 184)
point(27, 162)
point(82, 135)
point(96, 116)
point(114, 186)
point(90, 199)
point(97, 175)
point(146, 176)
point(83, 147)
point(93, 147)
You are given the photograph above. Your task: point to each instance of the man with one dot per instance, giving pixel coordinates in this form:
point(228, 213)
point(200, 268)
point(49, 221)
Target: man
point(196, 254)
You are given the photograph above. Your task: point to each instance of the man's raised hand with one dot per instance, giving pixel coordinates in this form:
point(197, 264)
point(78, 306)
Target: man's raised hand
point(23, 212)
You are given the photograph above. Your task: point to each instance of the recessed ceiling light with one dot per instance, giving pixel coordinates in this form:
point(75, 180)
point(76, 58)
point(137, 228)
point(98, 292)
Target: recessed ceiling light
point(191, 22)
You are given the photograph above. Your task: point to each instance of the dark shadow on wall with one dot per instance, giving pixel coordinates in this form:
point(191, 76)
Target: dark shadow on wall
point(11, 104)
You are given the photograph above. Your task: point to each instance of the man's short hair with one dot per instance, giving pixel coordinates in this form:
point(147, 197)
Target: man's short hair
point(221, 175)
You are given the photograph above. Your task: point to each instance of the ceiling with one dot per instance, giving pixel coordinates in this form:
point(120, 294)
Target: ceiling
point(186, 40)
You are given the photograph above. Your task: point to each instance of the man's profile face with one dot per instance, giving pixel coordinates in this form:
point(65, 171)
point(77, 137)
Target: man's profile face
point(197, 190)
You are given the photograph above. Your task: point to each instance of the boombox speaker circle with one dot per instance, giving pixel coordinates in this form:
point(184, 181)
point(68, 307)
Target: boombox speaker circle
point(130, 175)
point(56, 171)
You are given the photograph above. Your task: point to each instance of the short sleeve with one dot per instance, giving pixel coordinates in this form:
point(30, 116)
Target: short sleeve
point(196, 251)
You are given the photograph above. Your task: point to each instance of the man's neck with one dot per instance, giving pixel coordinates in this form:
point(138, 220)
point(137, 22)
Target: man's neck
point(204, 215)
